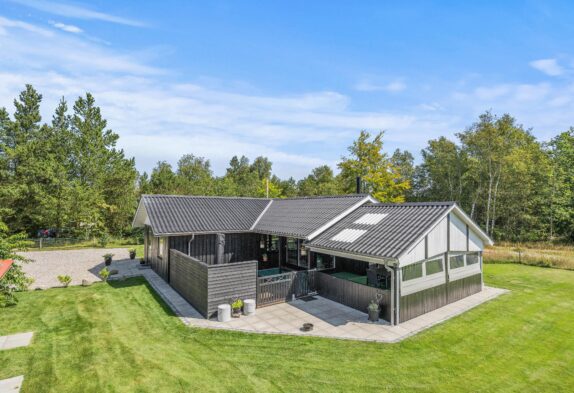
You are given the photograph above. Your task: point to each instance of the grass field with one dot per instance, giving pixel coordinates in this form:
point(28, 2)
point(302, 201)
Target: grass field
point(119, 337)
point(534, 254)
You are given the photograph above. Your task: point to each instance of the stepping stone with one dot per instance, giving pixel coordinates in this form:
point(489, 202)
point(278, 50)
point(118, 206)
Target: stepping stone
point(16, 340)
point(11, 385)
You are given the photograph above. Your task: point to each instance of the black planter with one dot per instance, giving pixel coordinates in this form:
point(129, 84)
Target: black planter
point(235, 312)
point(108, 261)
point(374, 315)
point(132, 255)
point(307, 327)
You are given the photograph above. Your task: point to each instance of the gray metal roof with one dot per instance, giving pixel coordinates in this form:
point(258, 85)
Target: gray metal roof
point(391, 236)
point(175, 214)
point(300, 217)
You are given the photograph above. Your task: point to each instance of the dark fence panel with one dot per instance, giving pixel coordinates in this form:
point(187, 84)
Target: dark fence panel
point(422, 302)
point(280, 288)
point(230, 280)
point(351, 294)
point(189, 277)
point(464, 287)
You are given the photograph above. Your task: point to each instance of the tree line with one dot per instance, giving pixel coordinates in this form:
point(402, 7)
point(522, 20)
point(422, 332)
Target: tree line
point(68, 174)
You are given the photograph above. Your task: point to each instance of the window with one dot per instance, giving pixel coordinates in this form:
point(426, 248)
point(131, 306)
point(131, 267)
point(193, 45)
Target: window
point(433, 266)
point(274, 243)
point(471, 259)
point(322, 261)
point(412, 271)
point(160, 244)
point(456, 261)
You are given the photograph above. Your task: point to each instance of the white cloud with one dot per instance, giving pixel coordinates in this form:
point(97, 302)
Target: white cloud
point(547, 66)
point(368, 85)
point(75, 11)
point(67, 28)
point(160, 120)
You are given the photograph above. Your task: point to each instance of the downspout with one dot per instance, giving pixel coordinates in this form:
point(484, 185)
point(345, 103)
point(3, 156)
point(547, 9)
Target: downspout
point(398, 295)
point(189, 245)
point(392, 297)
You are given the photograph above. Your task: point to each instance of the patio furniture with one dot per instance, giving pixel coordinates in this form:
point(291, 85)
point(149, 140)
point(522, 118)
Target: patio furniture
point(372, 278)
point(224, 313)
point(249, 307)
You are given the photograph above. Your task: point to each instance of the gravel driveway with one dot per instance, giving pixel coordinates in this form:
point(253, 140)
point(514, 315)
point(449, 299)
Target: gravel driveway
point(81, 265)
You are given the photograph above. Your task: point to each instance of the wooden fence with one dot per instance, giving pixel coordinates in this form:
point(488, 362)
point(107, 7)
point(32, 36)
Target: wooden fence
point(352, 294)
point(280, 288)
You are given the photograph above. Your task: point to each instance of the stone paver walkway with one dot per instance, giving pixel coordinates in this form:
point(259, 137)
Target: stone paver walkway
point(16, 340)
point(11, 385)
point(330, 319)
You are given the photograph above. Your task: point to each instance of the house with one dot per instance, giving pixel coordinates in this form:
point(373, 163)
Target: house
point(411, 258)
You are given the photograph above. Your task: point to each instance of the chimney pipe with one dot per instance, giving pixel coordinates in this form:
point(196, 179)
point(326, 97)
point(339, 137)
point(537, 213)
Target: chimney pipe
point(359, 184)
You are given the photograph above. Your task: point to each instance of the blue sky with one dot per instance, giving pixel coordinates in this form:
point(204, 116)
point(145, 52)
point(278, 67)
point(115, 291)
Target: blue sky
point(292, 80)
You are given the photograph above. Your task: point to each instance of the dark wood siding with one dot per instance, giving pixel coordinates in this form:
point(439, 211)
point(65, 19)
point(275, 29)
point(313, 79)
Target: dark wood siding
point(159, 265)
point(239, 247)
point(351, 294)
point(421, 302)
point(464, 287)
point(206, 286)
point(190, 278)
point(228, 281)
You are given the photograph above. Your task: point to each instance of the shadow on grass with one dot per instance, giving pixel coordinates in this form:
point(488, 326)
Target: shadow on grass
point(139, 281)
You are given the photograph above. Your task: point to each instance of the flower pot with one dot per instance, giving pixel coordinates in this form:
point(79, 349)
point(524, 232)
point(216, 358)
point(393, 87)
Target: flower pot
point(374, 315)
point(264, 258)
point(108, 261)
point(307, 327)
point(235, 312)
point(132, 255)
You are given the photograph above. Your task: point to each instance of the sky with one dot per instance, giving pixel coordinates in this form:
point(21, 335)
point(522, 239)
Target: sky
point(291, 80)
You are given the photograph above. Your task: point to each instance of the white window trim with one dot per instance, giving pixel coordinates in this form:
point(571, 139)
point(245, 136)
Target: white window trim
point(424, 282)
point(466, 270)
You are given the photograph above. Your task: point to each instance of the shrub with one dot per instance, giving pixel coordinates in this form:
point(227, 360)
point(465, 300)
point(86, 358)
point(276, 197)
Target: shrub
point(65, 280)
point(237, 304)
point(103, 240)
point(104, 274)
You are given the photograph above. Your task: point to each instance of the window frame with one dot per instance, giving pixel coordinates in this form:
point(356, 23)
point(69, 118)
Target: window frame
point(441, 259)
point(421, 264)
point(457, 255)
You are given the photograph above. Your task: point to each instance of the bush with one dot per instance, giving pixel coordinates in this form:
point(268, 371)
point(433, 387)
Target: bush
point(104, 274)
point(65, 280)
point(104, 240)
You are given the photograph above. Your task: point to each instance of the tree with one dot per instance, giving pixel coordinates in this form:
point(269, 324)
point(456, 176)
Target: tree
point(194, 176)
point(262, 167)
point(163, 180)
point(561, 201)
point(15, 279)
point(321, 181)
point(368, 161)
point(403, 161)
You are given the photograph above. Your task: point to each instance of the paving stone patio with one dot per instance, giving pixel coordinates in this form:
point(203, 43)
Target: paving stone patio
point(16, 340)
point(330, 319)
point(11, 385)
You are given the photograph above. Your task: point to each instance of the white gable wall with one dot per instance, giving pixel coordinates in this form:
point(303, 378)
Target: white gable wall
point(458, 241)
point(415, 255)
point(474, 242)
point(437, 239)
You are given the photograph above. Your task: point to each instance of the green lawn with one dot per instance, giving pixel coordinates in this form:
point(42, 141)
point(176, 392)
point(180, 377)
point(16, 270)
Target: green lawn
point(120, 337)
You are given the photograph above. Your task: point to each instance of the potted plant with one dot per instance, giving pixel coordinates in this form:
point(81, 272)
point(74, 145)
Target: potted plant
point(104, 274)
point(374, 311)
point(65, 280)
point(142, 261)
point(108, 259)
point(236, 308)
point(132, 253)
point(264, 257)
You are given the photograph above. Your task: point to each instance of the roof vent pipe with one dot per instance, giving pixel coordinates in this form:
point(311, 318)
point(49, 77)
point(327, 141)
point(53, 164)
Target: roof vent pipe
point(359, 185)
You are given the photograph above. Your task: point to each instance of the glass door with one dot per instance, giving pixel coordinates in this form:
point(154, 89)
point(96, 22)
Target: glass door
point(292, 251)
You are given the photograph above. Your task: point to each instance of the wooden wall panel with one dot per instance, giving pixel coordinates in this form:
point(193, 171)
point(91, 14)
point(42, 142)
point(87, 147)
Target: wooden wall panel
point(421, 302)
point(228, 281)
point(190, 279)
point(351, 294)
point(464, 287)
point(457, 234)
point(437, 239)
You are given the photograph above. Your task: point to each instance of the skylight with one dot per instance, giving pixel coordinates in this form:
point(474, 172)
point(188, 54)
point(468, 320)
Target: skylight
point(370, 218)
point(348, 235)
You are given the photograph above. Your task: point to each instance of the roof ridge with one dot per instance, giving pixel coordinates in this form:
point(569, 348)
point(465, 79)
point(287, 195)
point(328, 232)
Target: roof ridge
point(205, 197)
point(321, 197)
point(390, 204)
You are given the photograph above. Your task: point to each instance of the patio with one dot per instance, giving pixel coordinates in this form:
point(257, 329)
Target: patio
point(330, 319)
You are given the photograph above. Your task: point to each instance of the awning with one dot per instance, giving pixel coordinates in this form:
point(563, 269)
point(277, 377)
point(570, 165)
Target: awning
point(5, 265)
